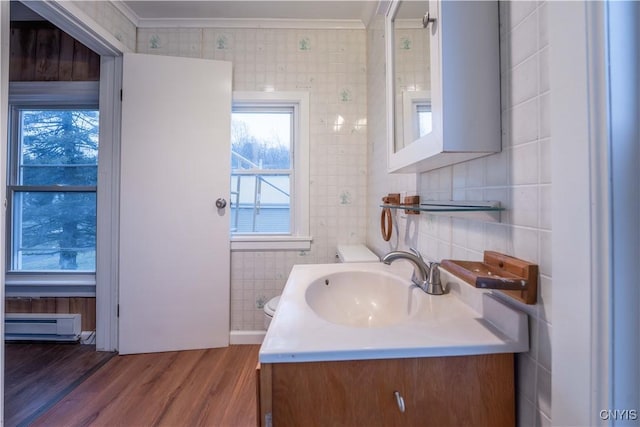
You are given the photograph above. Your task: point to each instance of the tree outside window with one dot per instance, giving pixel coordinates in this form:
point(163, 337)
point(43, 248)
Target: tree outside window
point(53, 189)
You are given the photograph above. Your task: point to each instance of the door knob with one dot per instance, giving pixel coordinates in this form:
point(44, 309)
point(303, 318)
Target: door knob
point(221, 203)
point(427, 19)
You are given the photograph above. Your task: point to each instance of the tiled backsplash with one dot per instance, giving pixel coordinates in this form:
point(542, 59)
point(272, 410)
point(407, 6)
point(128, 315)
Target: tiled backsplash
point(519, 177)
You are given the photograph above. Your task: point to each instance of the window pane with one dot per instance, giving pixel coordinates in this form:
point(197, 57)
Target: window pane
point(54, 231)
point(425, 121)
point(58, 147)
point(260, 204)
point(261, 140)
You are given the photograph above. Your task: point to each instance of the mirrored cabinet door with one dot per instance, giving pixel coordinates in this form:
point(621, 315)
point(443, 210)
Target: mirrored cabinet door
point(443, 83)
point(411, 61)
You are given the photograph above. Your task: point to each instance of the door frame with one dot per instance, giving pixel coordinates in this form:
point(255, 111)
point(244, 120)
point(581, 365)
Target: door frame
point(71, 19)
point(596, 209)
point(4, 107)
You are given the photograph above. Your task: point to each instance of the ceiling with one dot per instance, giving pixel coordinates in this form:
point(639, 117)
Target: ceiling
point(354, 10)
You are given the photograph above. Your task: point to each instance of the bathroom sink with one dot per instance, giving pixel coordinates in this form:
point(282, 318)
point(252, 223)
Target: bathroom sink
point(362, 299)
point(372, 311)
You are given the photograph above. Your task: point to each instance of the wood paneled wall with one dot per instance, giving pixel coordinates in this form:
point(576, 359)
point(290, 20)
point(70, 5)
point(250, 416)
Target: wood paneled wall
point(85, 306)
point(40, 51)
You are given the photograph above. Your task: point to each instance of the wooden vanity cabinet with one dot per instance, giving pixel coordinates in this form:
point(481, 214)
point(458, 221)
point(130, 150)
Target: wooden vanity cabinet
point(437, 391)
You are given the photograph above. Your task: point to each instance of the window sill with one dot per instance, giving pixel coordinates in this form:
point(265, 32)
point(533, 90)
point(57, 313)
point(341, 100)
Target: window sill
point(271, 243)
point(50, 285)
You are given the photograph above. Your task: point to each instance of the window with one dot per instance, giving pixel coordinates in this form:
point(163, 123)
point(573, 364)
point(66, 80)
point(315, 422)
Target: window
point(269, 171)
point(418, 119)
point(52, 183)
point(261, 169)
point(425, 121)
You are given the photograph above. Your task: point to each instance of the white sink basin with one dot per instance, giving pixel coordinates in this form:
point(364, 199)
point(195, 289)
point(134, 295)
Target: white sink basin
point(362, 299)
point(371, 311)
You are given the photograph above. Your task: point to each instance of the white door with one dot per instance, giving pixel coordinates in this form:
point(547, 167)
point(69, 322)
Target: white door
point(174, 241)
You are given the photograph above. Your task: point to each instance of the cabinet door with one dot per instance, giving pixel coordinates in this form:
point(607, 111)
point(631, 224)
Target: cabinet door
point(465, 86)
point(353, 393)
point(437, 391)
point(460, 391)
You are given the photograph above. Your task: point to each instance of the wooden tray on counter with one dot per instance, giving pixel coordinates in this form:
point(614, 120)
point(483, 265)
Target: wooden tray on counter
point(512, 276)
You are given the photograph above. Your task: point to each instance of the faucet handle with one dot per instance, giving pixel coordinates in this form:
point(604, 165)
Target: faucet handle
point(416, 253)
point(434, 272)
point(434, 285)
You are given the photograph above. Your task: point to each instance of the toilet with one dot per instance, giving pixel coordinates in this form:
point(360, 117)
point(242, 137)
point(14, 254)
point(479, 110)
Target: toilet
point(355, 253)
point(270, 310)
point(345, 254)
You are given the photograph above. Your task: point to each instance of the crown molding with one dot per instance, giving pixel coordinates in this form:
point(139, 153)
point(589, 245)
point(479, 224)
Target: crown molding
point(369, 13)
point(383, 7)
point(329, 24)
point(126, 11)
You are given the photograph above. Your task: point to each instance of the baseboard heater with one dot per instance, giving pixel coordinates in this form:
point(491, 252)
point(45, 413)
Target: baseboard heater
point(42, 327)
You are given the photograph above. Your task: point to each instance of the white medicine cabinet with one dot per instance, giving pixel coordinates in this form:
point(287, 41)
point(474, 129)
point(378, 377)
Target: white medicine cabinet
point(443, 83)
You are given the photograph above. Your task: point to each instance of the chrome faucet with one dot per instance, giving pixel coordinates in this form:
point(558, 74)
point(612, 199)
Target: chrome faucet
point(425, 275)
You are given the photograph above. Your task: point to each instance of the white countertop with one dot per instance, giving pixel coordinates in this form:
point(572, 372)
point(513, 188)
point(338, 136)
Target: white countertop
point(444, 326)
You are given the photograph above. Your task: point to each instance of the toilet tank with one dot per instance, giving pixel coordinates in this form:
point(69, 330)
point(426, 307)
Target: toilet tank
point(356, 253)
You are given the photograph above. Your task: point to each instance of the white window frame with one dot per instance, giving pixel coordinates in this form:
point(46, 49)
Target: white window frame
point(299, 237)
point(411, 100)
point(48, 94)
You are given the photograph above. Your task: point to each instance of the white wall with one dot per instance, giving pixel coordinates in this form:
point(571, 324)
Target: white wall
point(519, 177)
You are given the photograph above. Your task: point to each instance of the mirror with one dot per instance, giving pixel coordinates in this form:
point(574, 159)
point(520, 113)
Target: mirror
point(409, 72)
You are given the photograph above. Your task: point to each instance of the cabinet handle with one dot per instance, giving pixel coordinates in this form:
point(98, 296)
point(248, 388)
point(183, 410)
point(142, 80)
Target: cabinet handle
point(399, 400)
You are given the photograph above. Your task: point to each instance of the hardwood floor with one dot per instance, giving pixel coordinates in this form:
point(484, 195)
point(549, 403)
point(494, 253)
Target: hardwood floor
point(214, 387)
point(38, 375)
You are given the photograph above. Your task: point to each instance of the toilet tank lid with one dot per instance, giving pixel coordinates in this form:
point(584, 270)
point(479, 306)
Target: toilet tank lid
point(356, 253)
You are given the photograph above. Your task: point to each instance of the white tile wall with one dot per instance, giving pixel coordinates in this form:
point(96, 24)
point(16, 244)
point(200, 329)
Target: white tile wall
point(331, 66)
point(111, 19)
point(519, 177)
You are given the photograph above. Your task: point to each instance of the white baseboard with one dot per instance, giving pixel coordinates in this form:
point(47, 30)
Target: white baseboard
point(88, 337)
point(246, 337)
